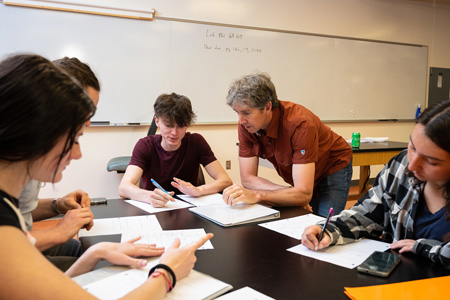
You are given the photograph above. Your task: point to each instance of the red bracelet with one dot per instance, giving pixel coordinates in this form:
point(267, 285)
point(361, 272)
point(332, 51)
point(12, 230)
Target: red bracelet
point(157, 273)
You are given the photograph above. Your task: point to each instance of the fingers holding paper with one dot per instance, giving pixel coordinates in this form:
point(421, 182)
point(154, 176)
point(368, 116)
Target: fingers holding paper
point(234, 194)
point(310, 238)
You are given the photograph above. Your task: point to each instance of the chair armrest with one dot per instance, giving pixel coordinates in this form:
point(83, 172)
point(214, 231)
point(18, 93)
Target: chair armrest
point(118, 164)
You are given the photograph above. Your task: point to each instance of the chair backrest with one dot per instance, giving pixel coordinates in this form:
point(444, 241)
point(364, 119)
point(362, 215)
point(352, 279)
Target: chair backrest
point(200, 178)
point(153, 128)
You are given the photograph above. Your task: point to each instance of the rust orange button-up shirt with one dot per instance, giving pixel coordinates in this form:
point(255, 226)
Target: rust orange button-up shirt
point(297, 136)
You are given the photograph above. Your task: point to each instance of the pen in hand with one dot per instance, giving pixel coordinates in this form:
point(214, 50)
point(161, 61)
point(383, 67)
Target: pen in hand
point(330, 214)
point(160, 187)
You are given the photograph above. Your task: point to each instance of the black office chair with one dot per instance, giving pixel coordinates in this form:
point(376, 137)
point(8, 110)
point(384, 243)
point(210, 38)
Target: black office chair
point(120, 163)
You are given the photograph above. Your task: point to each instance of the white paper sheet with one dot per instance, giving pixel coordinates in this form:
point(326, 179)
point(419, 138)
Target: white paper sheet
point(347, 256)
point(245, 293)
point(293, 227)
point(150, 209)
point(203, 200)
point(195, 286)
point(226, 215)
point(165, 238)
point(119, 225)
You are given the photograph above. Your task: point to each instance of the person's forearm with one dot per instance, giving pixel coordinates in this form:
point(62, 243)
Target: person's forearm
point(86, 262)
point(43, 210)
point(215, 187)
point(132, 191)
point(273, 194)
point(436, 251)
point(284, 197)
point(47, 238)
point(258, 183)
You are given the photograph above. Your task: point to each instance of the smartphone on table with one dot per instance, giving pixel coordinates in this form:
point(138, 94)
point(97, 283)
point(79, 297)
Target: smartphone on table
point(379, 264)
point(98, 201)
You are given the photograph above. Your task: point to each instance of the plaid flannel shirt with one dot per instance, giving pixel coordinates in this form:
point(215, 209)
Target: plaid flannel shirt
point(387, 210)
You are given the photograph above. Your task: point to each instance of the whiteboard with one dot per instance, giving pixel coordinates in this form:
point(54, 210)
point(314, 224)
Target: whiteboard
point(338, 79)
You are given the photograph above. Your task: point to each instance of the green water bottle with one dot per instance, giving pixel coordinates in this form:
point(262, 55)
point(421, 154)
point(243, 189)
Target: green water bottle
point(356, 138)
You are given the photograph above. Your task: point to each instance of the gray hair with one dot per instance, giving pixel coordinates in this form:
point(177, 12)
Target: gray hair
point(255, 90)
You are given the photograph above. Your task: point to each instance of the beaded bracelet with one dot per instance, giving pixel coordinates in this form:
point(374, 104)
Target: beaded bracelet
point(168, 269)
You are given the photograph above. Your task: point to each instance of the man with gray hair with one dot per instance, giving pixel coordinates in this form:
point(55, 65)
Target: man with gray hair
point(309, 156)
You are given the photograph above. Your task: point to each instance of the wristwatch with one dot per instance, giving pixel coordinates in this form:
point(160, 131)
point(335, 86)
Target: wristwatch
point(55, 207)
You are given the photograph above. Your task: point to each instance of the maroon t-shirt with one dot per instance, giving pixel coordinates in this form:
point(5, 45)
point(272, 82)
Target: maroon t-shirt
point(162, 166)
point(297, 136)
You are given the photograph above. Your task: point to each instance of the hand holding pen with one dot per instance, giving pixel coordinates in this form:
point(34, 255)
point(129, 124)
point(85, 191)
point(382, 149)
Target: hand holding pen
point(156, 201)
point(330, 214)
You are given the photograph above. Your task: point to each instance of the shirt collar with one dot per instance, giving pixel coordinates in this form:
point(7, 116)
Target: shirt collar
point(272, 131)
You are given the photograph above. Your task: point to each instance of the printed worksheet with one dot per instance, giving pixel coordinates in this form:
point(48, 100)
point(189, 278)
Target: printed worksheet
point(293, 227)
point(347, 256)
point(165, 238)
point(150, 209)
point(120, 225)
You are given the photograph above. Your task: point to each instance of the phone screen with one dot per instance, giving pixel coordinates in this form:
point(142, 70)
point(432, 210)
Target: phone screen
point(379, 263)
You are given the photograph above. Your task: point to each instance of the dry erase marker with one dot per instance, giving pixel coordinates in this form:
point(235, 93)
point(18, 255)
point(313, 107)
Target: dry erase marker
point(330, 214)
point(160, 187)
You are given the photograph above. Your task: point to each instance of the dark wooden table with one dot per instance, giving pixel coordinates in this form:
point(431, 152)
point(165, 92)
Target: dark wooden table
point(250, 255)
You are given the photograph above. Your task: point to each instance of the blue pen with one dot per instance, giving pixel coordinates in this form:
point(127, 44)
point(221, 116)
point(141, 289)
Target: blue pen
point(160, 187)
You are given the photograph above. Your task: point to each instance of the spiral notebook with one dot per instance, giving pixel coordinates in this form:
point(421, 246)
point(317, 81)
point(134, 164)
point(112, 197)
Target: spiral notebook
point(227, 216)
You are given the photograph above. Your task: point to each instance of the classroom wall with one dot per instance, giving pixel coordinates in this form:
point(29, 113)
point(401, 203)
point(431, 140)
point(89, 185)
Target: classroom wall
point(417, 22)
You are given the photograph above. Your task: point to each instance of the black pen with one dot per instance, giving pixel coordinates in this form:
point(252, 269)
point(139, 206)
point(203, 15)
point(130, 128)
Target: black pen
point(330, 214)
